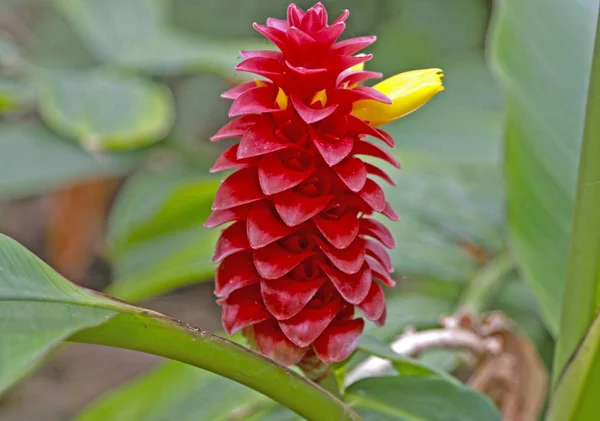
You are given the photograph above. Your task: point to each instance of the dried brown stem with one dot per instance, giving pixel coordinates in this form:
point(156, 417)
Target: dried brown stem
point(413, 344)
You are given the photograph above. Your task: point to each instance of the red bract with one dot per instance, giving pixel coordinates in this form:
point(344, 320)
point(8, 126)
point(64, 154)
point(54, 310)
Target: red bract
point(302, 251)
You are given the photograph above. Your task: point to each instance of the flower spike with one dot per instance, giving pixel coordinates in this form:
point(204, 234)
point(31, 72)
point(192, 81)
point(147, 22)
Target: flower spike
point(302, 250)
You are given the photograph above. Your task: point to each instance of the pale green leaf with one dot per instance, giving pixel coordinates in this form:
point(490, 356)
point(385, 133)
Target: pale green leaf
point(416, 398)
point(105, 111)
point(543, 55)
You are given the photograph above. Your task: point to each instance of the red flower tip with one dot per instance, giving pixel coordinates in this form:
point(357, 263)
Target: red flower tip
point(303, 251)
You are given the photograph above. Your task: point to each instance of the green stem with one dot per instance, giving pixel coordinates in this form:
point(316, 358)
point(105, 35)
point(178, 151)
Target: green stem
point(331, 384)
point(155, 334)
point(582, 286)
point(484, 284)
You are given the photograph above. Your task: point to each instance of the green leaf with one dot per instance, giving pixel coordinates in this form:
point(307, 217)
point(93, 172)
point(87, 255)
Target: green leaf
point(138, 37)
point(277, 413)
point(34, 160)
point(418, 399)
point(582, 298)
point(170, 392)
point(576, 392)
point(106, 111)
point(544, 65)
point(156, 234)
point(39, 308)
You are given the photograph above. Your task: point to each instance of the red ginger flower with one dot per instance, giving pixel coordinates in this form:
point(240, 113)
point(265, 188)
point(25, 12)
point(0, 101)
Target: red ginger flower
point(302, 251)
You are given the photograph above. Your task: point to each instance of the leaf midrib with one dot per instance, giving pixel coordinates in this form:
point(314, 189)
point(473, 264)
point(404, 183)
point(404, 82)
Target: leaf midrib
point(116, 307)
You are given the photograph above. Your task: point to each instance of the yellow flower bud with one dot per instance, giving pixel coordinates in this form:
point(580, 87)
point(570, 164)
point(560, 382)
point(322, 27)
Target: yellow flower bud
point(408, 92)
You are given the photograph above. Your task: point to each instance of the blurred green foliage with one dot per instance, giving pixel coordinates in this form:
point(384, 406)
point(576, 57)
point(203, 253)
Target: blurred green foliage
point(156, 233)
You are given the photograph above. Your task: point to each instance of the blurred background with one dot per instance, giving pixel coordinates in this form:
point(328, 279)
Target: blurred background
point(106, 109)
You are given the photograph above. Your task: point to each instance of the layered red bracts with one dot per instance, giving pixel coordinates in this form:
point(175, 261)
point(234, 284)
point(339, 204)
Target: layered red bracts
point(302, 251)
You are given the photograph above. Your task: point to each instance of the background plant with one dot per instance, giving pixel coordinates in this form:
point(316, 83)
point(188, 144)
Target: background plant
point(106, 111)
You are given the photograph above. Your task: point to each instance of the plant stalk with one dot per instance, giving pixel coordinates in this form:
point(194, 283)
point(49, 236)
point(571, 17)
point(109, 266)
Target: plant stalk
point(165, 337)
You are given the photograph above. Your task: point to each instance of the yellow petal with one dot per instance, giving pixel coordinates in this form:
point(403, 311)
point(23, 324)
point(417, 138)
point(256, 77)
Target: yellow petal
point(408, 92)
point(321, 97)
point(281, 99)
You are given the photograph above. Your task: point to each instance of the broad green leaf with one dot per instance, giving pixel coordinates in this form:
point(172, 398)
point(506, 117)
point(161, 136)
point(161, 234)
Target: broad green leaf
point(34, 160)
point(39, 308)
point(172, 392)
point(575, 395)
point(104, 111)
point(156, 234)
point(137, 36)
point(543, 55)
point(277, 413)
point(416, 398)
point(578, 349)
